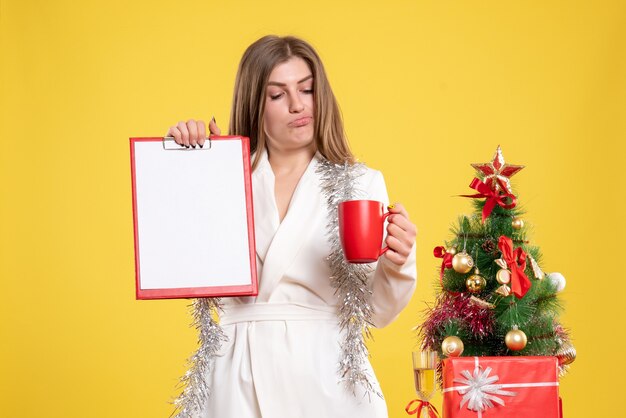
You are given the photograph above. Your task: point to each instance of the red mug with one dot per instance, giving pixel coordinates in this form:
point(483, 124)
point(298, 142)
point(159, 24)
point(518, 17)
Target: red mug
point(361, 225)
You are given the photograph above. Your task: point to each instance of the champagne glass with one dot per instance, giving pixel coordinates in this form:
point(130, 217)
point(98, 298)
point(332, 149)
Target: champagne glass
point(424, 365)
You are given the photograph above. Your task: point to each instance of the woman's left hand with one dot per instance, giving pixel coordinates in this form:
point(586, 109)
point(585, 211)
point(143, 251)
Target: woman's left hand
point(401, 235)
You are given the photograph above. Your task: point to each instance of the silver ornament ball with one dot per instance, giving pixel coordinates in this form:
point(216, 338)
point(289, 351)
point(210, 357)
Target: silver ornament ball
point(557, 280)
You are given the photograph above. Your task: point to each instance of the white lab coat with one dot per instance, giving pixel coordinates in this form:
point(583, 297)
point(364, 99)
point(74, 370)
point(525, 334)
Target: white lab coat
point(281, 359)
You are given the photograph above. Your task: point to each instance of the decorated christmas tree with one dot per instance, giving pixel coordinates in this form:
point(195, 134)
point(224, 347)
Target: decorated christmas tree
point(493, 297)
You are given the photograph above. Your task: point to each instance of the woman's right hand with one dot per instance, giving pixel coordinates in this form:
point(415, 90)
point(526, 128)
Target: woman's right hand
point(193, 132)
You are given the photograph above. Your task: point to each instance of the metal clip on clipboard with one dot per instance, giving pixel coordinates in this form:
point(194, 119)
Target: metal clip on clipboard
point(169, 144)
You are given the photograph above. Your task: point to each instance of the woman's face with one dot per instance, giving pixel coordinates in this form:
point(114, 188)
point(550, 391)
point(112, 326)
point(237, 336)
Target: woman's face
point(289, 106)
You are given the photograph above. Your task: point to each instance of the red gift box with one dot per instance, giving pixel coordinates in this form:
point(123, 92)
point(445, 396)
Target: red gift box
point(511, 387)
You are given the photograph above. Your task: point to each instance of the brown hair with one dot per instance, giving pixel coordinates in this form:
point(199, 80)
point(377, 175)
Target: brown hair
point(246, 118)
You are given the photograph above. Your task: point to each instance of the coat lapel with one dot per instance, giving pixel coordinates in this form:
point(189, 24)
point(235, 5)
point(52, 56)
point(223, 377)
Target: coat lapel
point(303, 216)
point(265, 212)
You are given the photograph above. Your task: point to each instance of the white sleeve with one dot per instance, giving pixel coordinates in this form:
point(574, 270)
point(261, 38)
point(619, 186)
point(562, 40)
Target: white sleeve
point(392, 285)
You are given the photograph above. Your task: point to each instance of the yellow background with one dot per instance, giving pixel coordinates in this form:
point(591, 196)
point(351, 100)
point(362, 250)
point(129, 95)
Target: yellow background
point(426, 88)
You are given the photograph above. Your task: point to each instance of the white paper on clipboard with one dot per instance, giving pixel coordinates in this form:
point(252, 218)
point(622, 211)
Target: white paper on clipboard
point(193, 219)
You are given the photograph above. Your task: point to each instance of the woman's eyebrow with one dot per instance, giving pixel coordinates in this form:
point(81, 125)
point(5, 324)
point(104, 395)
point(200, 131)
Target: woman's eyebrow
point(276, 83)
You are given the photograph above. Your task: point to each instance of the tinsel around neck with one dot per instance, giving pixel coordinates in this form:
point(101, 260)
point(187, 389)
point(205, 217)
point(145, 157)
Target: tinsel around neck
point(350, 281)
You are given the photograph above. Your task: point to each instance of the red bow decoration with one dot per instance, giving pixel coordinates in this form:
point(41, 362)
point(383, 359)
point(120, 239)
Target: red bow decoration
point(516, 260)
point(493, 197)
point(440, 252)
point(432, 411)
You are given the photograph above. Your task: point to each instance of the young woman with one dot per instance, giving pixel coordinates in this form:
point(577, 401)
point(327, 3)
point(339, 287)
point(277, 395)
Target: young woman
point(287, 354)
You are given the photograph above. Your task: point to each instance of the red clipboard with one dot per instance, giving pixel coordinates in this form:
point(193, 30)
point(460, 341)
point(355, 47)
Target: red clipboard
point(193, 218)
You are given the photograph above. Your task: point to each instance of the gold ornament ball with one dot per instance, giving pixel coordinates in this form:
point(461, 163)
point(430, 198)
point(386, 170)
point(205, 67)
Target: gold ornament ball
point(515, 339)
point(451, 250)
point(566, 354)
point(475, 283)
point(452, 346)
point(517, 223)
point(462, 262)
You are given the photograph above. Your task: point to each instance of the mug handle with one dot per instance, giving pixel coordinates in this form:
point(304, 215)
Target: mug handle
point(384, 250)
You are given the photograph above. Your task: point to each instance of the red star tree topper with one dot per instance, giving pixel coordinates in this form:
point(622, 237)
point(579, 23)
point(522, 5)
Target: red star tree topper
point(496, 170)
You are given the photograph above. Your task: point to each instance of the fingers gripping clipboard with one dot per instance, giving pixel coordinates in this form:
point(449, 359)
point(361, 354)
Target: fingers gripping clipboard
point(193, 218)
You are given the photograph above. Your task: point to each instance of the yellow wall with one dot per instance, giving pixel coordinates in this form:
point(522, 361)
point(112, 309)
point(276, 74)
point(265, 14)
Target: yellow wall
point(426, 88)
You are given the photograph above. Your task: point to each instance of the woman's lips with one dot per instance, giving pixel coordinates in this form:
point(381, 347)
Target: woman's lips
point(301, 122)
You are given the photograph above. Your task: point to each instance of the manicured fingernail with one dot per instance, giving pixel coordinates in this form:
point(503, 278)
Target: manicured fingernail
point(392, 206)
point(201, 146)
point(213, 119)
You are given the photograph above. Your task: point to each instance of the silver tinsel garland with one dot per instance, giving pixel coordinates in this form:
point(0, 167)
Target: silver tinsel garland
point(195, 386)
point(350, 281)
